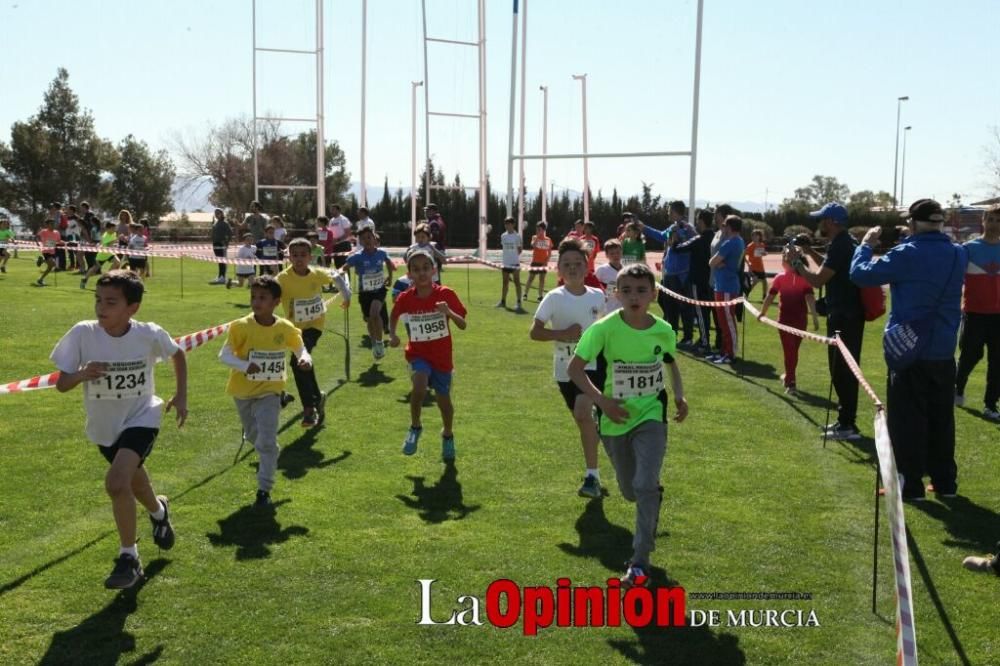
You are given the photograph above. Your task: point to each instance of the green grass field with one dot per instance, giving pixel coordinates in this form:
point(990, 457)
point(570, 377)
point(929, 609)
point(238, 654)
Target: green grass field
point(753, 502)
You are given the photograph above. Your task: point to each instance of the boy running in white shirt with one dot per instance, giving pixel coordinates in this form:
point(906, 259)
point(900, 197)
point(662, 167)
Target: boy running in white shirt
point(113, 358)
point(608, 273)
point(569, 310)
point(511, 242)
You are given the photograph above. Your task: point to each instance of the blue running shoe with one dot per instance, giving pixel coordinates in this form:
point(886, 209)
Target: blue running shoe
point(448, 448)
point(410, 444)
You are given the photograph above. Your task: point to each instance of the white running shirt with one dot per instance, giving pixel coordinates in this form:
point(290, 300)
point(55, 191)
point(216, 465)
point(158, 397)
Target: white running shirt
point(561, 309)
point(511, 243)
point(608, 275)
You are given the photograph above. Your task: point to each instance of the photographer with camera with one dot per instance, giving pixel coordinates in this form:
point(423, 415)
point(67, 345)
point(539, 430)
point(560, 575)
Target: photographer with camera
point(841, 306)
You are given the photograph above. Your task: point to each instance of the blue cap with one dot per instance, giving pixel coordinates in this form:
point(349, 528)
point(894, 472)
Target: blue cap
point(832, 210)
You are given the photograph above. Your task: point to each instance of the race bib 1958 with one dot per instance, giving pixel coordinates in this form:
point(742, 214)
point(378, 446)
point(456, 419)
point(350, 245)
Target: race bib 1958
point(271, 364)
point(123, 380)
point(308, 309)
point(426, 326)
point(632, 380)
point(372, 281)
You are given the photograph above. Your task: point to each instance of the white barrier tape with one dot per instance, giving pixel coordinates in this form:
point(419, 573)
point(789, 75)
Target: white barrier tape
point(704, 304)
point(906, 632)
point(117, 250)
point(236, 261)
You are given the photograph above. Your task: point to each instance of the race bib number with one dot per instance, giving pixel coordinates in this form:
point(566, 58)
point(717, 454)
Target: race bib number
point(123, 380)
point(759, 252)
point(50, 243)
point(564, 354)
point(633, 380)
point(308, 309)
point(427, 326)
point(626, 260)
point(271, 364)
point(270, 251)
point(322, 234)
point(541, 245)
point(372, 281)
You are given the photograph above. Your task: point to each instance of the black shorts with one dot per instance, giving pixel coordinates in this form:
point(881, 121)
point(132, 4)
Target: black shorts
point(137, 262)
point(341, 248)
point(569, 389)
point(760, 275)
point(139, 440)
point(3, 252)
point(511, 270)
point(366, 298)
point(539, 264)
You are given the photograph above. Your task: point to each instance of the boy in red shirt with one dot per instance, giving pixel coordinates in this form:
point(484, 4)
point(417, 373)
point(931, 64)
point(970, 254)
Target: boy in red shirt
point(541, 250)
point(427, 308)
point(797, 299)
point(49, 238)
point(755, 253)
point(591, 243)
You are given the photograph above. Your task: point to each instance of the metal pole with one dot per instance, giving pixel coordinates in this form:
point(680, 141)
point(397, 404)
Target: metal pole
point(364, 85)
point(902, 170)
point(545, 145)
point(482, 129)
point(582, 78)
point(253, 139)
point(320, 140)
point(895, 160)
point(427, 118)
point(513, 88)
point(695, 105)
point(520, 177)
point(413, 158)
point(875, 540)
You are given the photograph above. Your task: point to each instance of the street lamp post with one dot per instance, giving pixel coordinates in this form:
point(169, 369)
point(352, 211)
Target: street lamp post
point(895, 161)
point(902, 174)
point(545, 142)
point(582, 78)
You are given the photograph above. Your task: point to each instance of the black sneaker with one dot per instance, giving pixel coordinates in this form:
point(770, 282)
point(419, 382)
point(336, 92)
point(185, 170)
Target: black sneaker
point(286, 399)
point(321, 409)
point(163, 531)
point(127, 572)
point(39, 261)
point(263, 499)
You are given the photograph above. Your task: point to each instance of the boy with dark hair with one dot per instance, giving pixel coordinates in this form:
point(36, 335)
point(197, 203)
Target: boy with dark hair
point(608, 273)
point(422, 236)
point(541, 250)
point(633, 402)
point(372, 282)
point(428, 308)
point(569, 310)
point(50, 239)
point(510, 240)
point(270, 249)
point(255, 350)
point(136, 241)
point(113, 358)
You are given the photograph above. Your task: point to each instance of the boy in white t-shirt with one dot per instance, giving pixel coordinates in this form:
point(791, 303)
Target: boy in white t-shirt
point(608, 273)
point(113, 358)
point(244, 272)
point(510, 240)
point(569, 310)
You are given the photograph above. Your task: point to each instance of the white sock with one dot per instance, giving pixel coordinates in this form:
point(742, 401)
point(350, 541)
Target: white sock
point(594, 473)
point(159, 513)
point(131, 550)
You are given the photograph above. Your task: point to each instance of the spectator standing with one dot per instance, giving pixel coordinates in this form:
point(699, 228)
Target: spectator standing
point(222, 234)
point(436, 225)
point(255, 222)
point(676, 272)
point(699, 248)
point(340, 232)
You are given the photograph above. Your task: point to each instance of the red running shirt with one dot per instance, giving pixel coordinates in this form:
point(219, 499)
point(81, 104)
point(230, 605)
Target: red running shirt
point(424, 331)
point(792, 289)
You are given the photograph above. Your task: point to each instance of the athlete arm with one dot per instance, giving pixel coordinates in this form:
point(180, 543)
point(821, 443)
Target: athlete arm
point(229, 357)
point(611, 407)
point(179, 401)
point(678, 386)
point(539, 332)
point(811, 304)
point(69, 380)
point(390, 267)
point(766, 304)
point(302, 354)
point(444, 309)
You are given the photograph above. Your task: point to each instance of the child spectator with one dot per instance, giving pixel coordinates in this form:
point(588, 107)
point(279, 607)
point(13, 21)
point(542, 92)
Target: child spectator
point(422, 236)
point(608, 273)
point(633, 246)
point(50, 240)
point(755, 253)
point(510, 240)
point(246, 252)
point(797, 299)
point(137, 241)
point(279, 228)
point(255, 352)
point(633, 402)
point(317, 248)
point(568, 311)
point(113, 358)
point(541, 250)
point(6, 236)
point(325, 238)
point(427, 309)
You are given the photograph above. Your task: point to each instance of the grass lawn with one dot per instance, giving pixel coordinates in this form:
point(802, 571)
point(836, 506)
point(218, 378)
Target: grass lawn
point(753, 502)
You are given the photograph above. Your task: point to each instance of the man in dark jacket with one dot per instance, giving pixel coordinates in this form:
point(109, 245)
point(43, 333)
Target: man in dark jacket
point(925, 275)
point(699, 278)
point(222, 233)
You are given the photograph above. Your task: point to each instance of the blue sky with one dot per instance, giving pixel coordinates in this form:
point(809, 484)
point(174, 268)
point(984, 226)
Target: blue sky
point(790, 88)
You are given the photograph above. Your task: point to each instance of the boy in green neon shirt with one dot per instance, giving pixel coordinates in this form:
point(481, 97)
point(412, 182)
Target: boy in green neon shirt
point(633, 402)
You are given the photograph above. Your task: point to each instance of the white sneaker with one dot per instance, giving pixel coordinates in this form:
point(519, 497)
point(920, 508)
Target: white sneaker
point(218, 280)
point(378, 350)
point(959, 400)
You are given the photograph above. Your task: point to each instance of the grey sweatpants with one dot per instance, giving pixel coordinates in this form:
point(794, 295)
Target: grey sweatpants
point(260, 426)
point(637, 457)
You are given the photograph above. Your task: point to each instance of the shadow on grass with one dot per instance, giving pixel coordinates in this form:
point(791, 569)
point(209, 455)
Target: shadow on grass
point(296, 459)
point(101, 638)
point(252, 530)
point(374, 376)
point(925, 574)
point(973, 527)
point(440, 502)
point(748, 368)
point(19, 581)
point(808, 398)
point(429, 399)
point(611, 544)
point(297, 415)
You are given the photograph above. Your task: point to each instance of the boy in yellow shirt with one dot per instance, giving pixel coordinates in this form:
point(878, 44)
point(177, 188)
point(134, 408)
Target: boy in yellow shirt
point(255, 351)
point(302, 292)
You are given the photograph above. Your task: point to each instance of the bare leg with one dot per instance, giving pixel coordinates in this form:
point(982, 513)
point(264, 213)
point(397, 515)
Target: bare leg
point(506, 286)
point(588, 430)
point(417, 394)
point(142, 488)
point(118, 484)
point(375, 321)
point(517, 285)
point(541, 285)
point(447, 410)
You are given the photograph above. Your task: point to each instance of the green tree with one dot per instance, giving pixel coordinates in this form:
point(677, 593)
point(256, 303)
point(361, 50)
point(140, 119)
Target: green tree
point(822, 190)
point(141, 181)
point(862, 202)
point(55, 155)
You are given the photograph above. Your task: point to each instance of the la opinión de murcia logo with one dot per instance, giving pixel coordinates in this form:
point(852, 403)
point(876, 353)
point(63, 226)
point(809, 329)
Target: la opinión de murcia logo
point(538, 607)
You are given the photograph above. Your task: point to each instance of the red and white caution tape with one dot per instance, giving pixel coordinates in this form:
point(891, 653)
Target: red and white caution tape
point(815, 337)
point(33, 384)
point(704, 304)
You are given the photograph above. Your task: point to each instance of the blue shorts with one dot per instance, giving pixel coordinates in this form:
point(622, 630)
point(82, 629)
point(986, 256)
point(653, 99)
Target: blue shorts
point(437, 380)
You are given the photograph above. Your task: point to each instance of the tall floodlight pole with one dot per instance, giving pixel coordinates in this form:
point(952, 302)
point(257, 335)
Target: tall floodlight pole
point(513, 88)
point(364, 85)
point(895, 161)
point(413, 157)
point(320, 141)
point(545, 143)
point(253, 138)
point(427, 116)
point(482, 130)
point(582, 78)
point(520, 177)
point(694, 114)
point(902, 175)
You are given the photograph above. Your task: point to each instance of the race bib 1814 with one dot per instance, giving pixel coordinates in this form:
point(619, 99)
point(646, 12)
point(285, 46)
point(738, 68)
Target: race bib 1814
point(633, 380)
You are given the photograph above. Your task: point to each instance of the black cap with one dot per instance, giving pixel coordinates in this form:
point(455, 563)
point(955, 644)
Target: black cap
point(431, 206)
point(925, 210)
point(626, 214)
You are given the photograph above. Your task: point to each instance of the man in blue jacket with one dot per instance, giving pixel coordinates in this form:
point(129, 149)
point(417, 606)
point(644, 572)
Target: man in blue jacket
point(925, 274)
point(676, 271)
